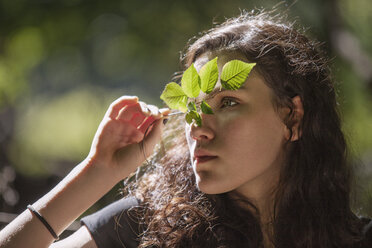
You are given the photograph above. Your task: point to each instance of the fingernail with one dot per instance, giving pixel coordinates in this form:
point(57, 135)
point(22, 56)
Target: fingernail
point(165, 121)
point(163, 109)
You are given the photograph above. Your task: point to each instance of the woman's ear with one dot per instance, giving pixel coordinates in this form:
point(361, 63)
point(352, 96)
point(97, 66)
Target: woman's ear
point(298, 114)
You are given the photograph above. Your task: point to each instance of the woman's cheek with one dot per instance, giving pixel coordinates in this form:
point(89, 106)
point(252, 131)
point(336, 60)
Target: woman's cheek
point(232, 118)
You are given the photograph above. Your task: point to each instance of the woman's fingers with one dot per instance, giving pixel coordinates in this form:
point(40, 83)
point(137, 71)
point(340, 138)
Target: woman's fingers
point(164, 111)
point(139, 115)
point(146, 124)
point(159, 113)
point(125, 124)
point(120, 103)
point(126, 113)
point(154, 110)
point(153, 136)
point(137, 119)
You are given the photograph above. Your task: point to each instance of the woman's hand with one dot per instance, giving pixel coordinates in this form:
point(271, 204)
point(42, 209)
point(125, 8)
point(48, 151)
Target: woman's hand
point(114, 154)
point(116, 145)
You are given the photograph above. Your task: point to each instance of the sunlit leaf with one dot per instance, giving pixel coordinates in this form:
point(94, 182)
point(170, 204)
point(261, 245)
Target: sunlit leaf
point(234, 74)
point(190, 82)
point(198, 120)
point(193, 115)
point(189, 117)
point(206, 109)
point(209, 76)
point(174, 97)
point(191, 106)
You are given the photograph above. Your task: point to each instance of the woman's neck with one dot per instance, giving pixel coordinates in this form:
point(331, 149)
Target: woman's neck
point(264, 203)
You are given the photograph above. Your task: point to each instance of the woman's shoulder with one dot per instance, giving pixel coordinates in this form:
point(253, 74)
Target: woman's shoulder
point(115, 224)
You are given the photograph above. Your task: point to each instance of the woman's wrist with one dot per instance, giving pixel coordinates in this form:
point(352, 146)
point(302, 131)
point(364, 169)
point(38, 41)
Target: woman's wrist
point(79, 190)
point(103, 169)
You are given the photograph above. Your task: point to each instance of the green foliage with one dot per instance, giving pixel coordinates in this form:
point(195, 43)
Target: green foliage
point(209, 76)
point(191, 106)
point(53, 129)
point(174, 96)
point(190, 82)
point(234, 74)
point(17, 62)
point(206, 109)
point(193, 115)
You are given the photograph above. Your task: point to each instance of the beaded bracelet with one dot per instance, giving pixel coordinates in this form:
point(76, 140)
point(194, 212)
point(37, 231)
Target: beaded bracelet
point(41, 218)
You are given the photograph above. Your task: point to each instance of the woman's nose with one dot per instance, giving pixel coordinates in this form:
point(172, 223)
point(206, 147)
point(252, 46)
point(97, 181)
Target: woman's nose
point(204, 132)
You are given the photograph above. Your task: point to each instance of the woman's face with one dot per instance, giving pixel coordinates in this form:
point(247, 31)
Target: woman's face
point(240, 146)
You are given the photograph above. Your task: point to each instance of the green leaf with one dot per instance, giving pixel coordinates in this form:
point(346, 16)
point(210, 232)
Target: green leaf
point(174, 97)
point(235, 73)
point(191, 106)
point(198, 120)
point(189, 117)
point(209, 76)
point(190, 82)
point(193, 115)
point(206, 109)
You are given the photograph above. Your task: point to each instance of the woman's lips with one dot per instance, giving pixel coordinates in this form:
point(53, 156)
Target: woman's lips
point(202, 156)
point(203, 159)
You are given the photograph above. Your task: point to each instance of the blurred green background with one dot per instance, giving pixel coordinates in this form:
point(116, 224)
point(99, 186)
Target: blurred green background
point(63, 62)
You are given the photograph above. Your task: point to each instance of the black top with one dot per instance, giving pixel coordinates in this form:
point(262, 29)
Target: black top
point(113, 226)
point(116, 227)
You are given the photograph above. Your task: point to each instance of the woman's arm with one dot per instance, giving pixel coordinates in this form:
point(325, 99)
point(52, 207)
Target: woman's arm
point(81, 238)
point(114, 154)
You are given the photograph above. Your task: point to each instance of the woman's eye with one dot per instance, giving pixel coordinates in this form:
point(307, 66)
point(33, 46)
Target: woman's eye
point(228, 102)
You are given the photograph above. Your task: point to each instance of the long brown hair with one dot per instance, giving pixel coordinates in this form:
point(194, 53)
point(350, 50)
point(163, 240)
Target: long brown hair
point(312, 200)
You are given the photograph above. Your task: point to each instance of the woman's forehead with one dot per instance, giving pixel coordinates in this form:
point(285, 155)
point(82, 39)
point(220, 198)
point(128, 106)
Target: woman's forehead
point(223, 58)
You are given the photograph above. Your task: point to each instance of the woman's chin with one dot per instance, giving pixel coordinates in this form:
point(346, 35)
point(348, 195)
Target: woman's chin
point(210, 188)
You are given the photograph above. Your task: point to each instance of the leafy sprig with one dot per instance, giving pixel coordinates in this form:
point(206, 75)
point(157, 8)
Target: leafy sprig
point(233, 76)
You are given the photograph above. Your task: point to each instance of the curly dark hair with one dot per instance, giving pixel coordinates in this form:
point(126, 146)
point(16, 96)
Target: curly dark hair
point(312, 199)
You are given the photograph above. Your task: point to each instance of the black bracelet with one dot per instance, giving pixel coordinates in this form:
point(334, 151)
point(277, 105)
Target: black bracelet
point(46, 224)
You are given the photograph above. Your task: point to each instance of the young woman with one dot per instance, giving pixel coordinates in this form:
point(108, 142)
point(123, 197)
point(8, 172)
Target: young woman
point(267, 169)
